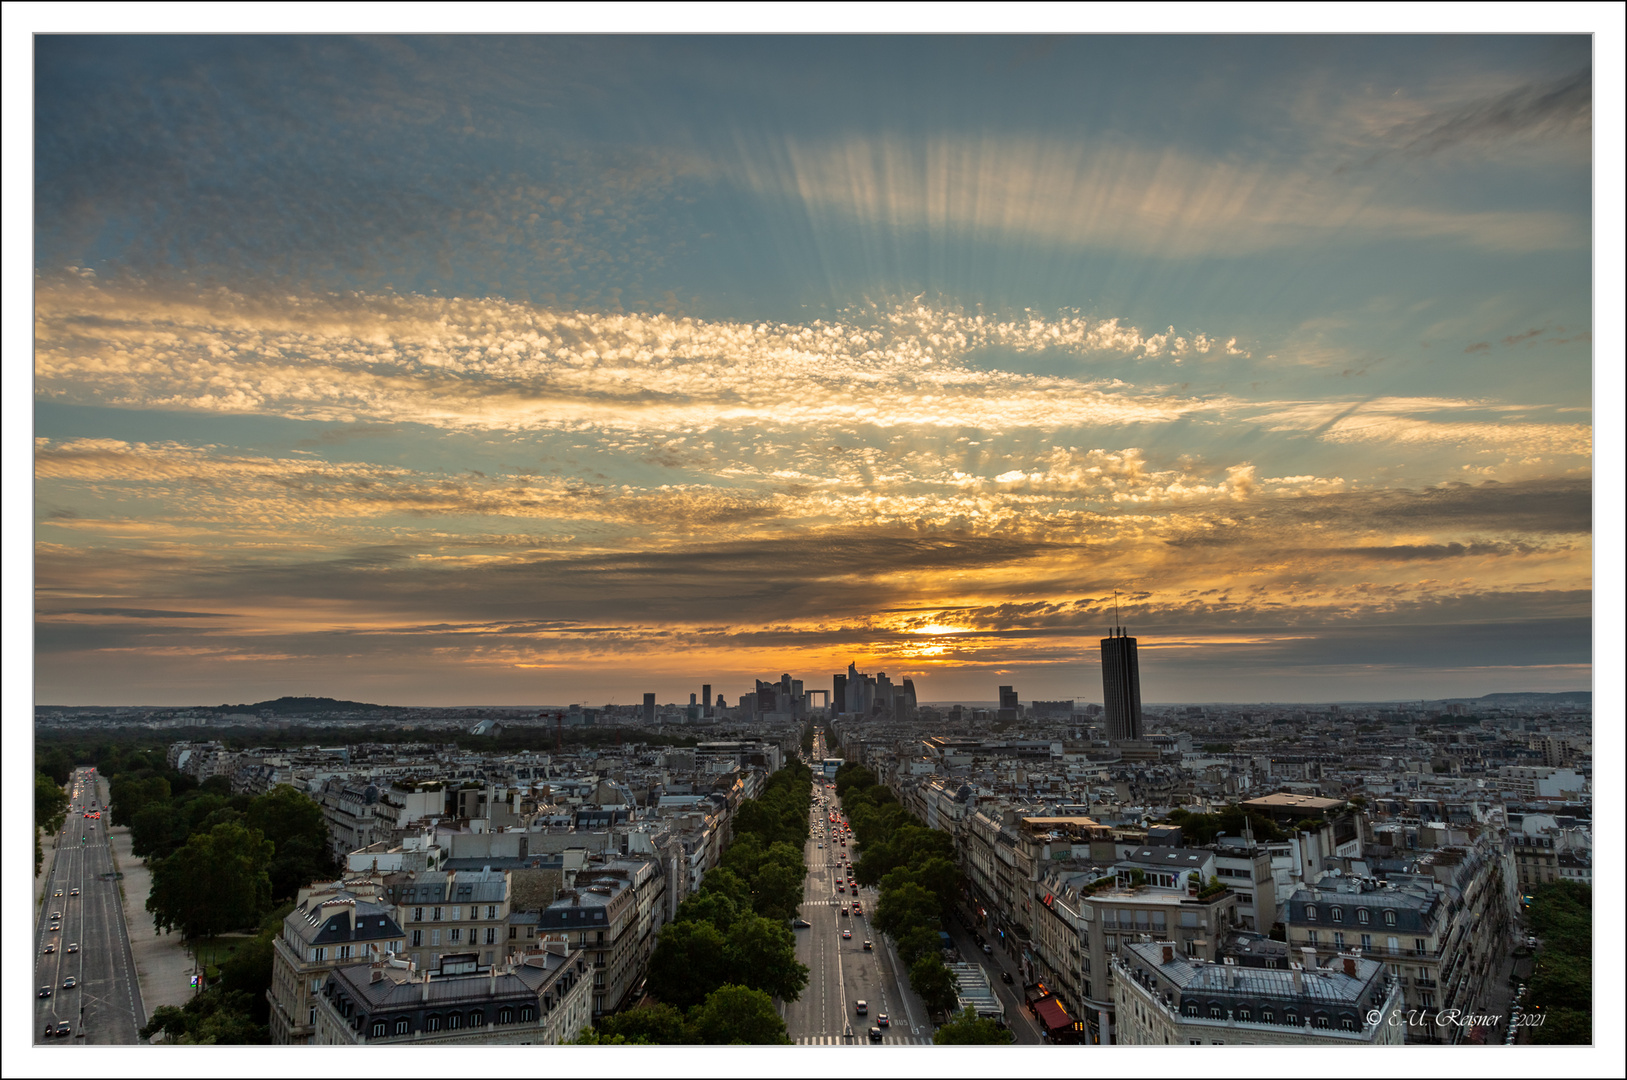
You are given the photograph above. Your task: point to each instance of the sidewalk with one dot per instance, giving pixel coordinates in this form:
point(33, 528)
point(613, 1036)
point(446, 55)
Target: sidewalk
point(163, 966)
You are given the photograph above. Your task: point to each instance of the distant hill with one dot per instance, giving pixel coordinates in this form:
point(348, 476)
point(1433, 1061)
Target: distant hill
point(300, 705)
point(1566, 697)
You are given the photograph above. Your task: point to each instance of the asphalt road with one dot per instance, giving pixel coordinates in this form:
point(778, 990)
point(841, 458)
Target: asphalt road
point(105, 1006)
point(841, 972)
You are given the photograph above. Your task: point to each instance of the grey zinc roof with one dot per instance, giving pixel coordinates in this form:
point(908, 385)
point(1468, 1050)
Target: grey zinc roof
point(1327, 987)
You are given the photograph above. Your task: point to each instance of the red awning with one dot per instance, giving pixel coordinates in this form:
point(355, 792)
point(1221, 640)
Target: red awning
point(1052, 1014)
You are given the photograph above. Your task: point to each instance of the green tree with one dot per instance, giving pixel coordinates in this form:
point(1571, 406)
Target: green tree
point(764, 956)
point(727, 883)
point(293, 822)
point(652, 1024)
point(903, 909)
point(737, 1014)
point(712, 907)
point(917, 942)
point(1564, 1027)
point(969, 1029)
point(50, 803)
point(691, 959)
point(214, 1018)
point(777, 891)
point(931, 978)
point(217, 881)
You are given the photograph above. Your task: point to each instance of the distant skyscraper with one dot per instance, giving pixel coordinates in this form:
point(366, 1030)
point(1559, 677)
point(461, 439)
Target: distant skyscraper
point(1008, 697)
point(649, 708)
point(706, 698)
point(1121, 686)
point(838, 693)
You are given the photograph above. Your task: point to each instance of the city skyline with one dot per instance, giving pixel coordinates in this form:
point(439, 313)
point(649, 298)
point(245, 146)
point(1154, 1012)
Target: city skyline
point(477, 370)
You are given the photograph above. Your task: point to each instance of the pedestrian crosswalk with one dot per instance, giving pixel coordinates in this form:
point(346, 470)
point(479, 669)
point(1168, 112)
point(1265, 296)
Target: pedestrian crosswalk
point(860, 1039)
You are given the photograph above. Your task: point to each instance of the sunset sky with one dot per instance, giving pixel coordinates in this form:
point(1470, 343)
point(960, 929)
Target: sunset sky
point(459, 370)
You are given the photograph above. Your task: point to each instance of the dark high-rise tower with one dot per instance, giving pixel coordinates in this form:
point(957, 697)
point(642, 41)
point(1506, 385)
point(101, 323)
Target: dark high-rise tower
point(1121, 686)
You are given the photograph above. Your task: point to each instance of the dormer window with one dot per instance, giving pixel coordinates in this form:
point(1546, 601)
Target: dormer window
point(1389, 918)
point(1310, 912)
point(1363, 916)
point(1338, 914)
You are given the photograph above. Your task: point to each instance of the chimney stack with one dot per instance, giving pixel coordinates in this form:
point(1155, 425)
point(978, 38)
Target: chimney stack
point(1169, 952)
point(1309, 955)
point(1350, 966)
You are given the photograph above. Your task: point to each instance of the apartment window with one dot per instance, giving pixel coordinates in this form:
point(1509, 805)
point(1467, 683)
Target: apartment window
point(436, 914)
point(491, 911)
point(1244, 1013)
point(1338, 939)
point(1348, 1023)
point(1191, 1009)
point(417, 914)
point(313, 1015)
point(1319, 1020)
point(1363, 916)
point(1291, 1018)
point(454, 1020)
point(435, 937)
point(1338, 914)
point(505, 1015)
point(1419, 947)
point(491, 935)
point(1310, 936)
point(417, 938)
point(1214, 1012)
point(319, 954)
point(456, 935)
point(1366, 942)
point(402, 1026)
point(1267, 1016)
point(457, 912)
point(527, 1013)
point(513, 932)
point(477, 1019)
point(379, 1028)
point(344, 952)
point(599, 938)
point(1310, 912)
point(432, 1022)
point(1112, 943)
point(1389, 918)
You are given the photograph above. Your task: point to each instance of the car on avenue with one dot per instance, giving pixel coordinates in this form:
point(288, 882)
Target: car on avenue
point(861, 1006)
point(847, 934)
point(73, 946)
point(875, 1034)
point(45, 991)
point(869, 946)
point(69, 983)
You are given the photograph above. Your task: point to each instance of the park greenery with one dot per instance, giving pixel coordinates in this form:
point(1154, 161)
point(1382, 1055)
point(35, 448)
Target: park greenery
point(50, 810)
point(914, 868)
point(730, 951)
point(219, 864)
point(1561, 987)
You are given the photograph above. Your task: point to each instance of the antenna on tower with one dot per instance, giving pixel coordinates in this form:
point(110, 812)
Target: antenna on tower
point(1116, 625)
